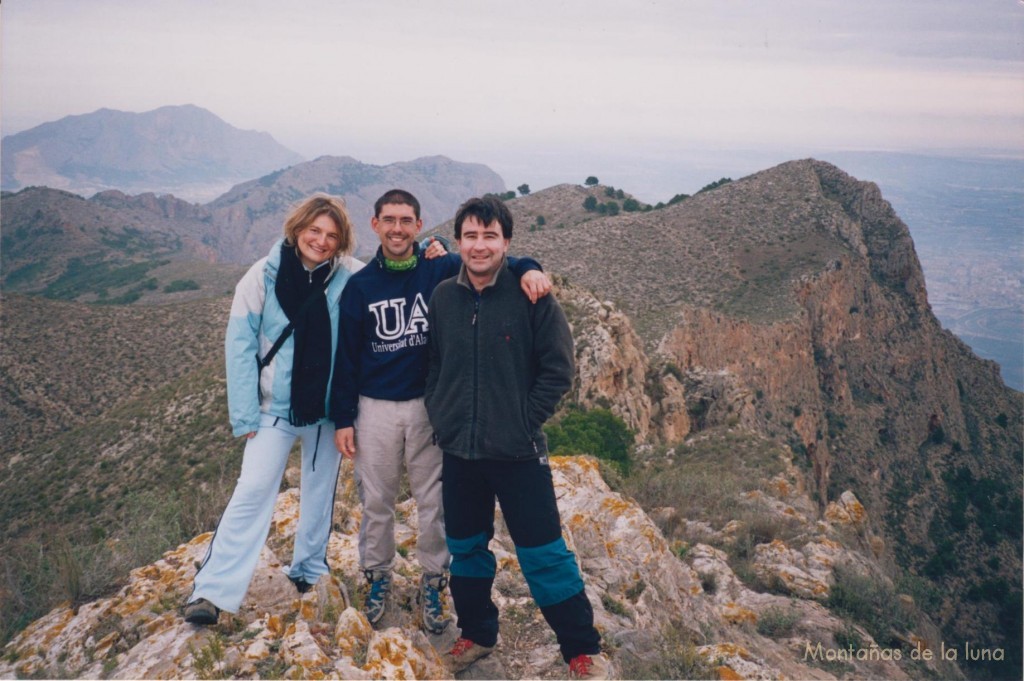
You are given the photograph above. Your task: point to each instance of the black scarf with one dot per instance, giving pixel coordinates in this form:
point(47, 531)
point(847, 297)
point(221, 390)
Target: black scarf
point(311, 359)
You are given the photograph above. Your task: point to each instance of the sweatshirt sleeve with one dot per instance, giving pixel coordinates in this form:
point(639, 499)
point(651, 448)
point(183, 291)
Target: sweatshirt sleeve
point(241, 348)
point(345, 385)
point(451, 263)
point(555, 360)
point(521, 266)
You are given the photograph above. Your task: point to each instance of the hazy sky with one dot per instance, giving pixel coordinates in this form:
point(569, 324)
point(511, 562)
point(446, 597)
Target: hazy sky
point(540, 90)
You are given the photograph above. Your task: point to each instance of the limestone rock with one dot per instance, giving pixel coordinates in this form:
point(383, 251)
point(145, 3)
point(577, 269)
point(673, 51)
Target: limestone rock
point(639, 588)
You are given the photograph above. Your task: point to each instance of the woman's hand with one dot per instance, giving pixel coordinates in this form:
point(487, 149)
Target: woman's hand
point(249, 436)
point(345, 441)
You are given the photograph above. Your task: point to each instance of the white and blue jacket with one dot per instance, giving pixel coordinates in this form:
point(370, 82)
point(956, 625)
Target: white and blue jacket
point(255, 323)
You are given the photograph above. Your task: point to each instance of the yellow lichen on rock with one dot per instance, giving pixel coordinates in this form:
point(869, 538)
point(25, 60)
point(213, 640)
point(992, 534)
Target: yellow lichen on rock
point(353, 632)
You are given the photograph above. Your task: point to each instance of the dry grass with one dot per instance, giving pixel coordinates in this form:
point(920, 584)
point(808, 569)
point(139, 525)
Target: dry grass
point(704, 478)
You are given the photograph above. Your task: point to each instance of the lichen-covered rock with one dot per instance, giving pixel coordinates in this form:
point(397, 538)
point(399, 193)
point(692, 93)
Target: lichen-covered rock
point(395, 654)
point(640, 589)
point(847, 511)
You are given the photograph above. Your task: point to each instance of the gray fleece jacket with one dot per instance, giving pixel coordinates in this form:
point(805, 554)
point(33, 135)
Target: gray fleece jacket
point(498, 366)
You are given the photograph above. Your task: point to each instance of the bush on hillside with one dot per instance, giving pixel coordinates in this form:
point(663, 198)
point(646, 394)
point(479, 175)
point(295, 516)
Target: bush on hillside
point(181, 285)
point(597, 432)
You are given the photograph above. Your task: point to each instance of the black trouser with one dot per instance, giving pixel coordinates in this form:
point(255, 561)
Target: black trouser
point(527, 497)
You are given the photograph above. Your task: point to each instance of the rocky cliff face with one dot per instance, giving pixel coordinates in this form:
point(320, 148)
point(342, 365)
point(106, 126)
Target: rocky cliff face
point(864, 381)
point(642, 593)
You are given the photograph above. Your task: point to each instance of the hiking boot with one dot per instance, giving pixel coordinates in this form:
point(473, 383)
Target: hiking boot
point(590, 667)
point(302, 585)
point(376, 599)
point(201, 611)
point(434, 604)
point(465, 653)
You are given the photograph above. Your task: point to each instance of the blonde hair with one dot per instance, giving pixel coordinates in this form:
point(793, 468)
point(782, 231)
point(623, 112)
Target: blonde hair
point(303, 215)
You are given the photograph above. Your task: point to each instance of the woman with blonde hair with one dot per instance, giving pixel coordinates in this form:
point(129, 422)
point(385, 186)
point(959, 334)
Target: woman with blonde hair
point(279, 347)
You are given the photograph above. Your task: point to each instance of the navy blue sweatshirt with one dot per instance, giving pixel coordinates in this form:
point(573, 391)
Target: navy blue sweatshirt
point(383, 331)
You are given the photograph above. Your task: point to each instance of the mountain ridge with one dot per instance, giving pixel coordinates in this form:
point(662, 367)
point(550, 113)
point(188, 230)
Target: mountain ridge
point(177, 149)
point(787, 307)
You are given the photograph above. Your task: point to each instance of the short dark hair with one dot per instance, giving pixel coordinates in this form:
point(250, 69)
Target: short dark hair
point(486, 209)
point(397, 196)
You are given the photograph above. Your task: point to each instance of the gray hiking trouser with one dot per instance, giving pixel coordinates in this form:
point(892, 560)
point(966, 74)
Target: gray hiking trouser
point(389, 433)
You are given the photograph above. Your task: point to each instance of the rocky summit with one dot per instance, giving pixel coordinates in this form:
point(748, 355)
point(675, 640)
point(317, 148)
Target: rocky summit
point(639, 589)
point(822, 482)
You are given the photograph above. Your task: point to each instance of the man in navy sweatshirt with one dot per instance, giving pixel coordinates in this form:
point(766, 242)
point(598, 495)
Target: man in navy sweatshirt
point(377, 398)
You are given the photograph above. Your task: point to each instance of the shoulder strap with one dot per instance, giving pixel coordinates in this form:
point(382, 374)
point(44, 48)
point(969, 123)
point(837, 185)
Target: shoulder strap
point(261, 363)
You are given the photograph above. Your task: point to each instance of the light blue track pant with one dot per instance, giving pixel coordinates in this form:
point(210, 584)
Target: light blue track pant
point(235, 549)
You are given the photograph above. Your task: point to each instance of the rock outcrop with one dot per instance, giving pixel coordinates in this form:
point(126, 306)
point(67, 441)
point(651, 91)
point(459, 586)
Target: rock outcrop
point(641, 591)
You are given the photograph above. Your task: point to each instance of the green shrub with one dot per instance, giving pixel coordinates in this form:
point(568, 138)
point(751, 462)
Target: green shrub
point(715, 185)
point(675, 658)
point(777, 622)
point(597, 432)
point(847, 637)
point(871, 603)
point(181, 285)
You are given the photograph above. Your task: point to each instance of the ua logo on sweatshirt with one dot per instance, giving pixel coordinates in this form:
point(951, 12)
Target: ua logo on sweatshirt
point(391, 318)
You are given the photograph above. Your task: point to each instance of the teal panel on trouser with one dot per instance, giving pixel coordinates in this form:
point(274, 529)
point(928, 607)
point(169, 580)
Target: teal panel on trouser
point(471, 557)
point(550, 571)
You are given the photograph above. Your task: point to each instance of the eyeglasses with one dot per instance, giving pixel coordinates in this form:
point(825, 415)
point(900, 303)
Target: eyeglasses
point(391, 221)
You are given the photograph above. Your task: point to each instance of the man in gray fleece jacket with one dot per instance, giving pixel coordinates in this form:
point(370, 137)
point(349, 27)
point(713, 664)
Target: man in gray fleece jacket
point(498, 367)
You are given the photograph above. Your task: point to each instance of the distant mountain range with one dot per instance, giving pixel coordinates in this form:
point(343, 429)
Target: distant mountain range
point(182, 150)
point(965, 213)
point(249, 217)
point(107, 248)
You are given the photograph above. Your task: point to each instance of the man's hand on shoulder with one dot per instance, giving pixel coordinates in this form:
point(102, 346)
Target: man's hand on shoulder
point(436, 249)
point(535, 285)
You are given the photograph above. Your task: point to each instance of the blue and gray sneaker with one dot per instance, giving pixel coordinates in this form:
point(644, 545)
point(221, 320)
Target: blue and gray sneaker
point(376, 599)
point(434, 604)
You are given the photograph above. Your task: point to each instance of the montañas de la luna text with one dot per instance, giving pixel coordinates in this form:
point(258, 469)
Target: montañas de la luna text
point(873, 653)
